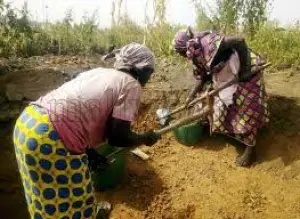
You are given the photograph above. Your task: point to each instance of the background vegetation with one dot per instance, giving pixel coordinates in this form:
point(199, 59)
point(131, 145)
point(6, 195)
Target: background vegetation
point(22, 36)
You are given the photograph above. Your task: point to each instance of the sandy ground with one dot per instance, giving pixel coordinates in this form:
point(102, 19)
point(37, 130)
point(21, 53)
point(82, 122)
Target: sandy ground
point(202, 181)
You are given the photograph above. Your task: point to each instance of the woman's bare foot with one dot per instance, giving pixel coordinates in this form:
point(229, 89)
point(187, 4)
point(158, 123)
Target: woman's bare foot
point(247, 158)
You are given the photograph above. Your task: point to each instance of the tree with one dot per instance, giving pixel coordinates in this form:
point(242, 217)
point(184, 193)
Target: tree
point(229, 12)
point(254, 15)
point(159, 11)
point(231, 16)
point(68, 19)
point(203, 21)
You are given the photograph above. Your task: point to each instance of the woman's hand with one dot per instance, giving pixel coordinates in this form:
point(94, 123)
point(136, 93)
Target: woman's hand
point(150, 138)
point(120, 135)
point(188, 100)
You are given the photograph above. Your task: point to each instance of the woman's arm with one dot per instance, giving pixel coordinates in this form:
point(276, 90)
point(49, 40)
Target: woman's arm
point(196, 89)
point(120, 135)
point(202, 78)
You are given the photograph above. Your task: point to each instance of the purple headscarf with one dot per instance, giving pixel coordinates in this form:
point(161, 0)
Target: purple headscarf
point(183, 36)
point(180, 40)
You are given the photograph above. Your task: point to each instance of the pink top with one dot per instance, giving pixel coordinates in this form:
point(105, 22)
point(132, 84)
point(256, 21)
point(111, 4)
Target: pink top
point(79, 109)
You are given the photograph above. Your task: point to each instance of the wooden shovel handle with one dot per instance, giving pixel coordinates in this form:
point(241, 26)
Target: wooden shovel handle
point(181, 122)
point(214, 92)
point(184, 121)
point(196, 116)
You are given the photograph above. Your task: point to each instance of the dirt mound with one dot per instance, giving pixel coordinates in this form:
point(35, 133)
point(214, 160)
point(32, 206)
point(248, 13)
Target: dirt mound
point(203, 182)
point(200, 182)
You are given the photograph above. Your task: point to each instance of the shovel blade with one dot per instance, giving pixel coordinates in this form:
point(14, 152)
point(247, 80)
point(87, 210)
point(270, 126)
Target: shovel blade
point(163, 117)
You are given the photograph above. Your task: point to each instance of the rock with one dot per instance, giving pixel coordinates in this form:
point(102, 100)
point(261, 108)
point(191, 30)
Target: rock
point(13, 92)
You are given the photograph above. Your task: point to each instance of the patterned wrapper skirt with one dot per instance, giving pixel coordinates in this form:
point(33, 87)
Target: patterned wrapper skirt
point(57, 184)
point(248, 113)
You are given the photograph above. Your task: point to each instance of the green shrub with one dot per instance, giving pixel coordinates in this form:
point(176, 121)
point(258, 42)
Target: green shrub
point(19, 36)
point(277, 44)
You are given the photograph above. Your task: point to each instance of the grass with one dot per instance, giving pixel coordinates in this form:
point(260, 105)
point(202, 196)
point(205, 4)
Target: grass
point(19, 36)
point(278, 45)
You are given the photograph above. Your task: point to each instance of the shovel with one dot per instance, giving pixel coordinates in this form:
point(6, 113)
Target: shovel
point(206, 110)
point(184, 121)
point(164, 114)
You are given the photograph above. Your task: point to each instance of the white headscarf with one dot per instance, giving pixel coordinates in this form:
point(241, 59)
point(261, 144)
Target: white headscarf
point(134, 55)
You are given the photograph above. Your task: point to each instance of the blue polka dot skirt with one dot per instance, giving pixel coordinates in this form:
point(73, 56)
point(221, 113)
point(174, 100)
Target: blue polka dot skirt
point(57, 184)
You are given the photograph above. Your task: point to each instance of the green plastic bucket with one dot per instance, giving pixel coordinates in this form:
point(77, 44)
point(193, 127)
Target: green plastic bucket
point(189, 135)
point(114, 174)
